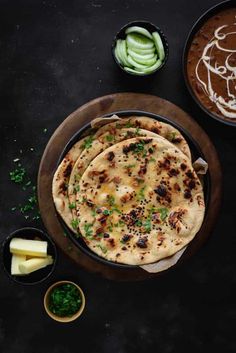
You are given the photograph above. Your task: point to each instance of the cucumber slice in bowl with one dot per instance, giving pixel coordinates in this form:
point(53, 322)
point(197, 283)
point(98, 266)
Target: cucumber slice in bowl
point(146, 62)
point(137, 56)
point(138, 41)
point(143, 51)
point(150, 69)
point(159, 45)
point(140, 30)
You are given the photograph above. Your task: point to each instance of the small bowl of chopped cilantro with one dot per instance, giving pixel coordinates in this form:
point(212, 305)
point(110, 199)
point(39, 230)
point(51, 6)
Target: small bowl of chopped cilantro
point(64, 301)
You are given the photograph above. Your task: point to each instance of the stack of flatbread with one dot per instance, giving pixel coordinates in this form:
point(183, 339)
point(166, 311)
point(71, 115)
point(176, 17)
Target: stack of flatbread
point(130, 190)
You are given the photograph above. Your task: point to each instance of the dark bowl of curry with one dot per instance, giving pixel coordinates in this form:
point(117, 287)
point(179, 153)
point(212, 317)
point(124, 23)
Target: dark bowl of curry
point(64, 301)
point(209, 62)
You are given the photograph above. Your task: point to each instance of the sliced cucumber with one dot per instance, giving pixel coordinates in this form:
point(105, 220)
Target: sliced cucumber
point(140, 30)
point(117, 55)
point(135, 64)
point(159, 45)
point(142, 51)
point(149, 69)
point(136, 40)
point(123, 51)
point(137, 56)
point(133, 71)
point(144, 61)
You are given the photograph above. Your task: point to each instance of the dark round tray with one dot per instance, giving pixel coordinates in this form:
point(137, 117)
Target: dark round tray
point(80, 119)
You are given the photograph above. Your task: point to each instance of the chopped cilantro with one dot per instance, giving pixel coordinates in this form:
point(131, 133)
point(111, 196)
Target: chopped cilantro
point(18, 175)
point(77, 177)
point(103, 248)
point(152, 159)
point(164, 212)
point(172, 135)
point(138, 223)
point(147, 225)
point(111, 200)
point(87, 143)
point(71, 205)
point(139, 147)
point(137, 131)
point(75, 223)
point(110, 138)
point(88, 230)
point(93, 212)
point(76, 189)
point(115, 209)
point(130, 166)
point(129, 124)
point(141, 195)
point(107, 212)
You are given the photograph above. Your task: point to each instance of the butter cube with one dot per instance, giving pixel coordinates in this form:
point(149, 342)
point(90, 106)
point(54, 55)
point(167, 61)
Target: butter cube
point(35, 264)
point(16, 260)
point(27, 247)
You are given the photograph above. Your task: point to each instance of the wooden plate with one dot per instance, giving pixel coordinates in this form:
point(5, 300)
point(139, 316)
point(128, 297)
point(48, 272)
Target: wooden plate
point(99, 107)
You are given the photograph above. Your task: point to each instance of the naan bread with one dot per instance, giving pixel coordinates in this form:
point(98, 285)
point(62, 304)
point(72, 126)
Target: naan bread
point(140, 201)
point(97, 146)
point(165, 130)
point(61, 181)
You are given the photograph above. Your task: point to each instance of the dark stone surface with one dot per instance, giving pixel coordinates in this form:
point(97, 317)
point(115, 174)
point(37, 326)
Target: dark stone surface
point(55, 56)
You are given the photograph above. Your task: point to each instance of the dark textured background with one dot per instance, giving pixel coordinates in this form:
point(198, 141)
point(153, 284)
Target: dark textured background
point(55, 56)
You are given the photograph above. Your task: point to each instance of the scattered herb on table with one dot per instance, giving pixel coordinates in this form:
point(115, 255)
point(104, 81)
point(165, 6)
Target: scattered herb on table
point(18, 175)
point(65, 300)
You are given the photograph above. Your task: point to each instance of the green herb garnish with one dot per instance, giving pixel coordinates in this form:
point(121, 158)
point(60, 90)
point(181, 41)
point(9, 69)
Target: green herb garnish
point(163, 212)
point(138, 223)
point(141, 195)
point(129, 124)
point(103, 248)
point(18, 175)
point(65, 300)
point(76, 189)
point(172, 135)
point(75, 223)
point(147, 225)
point(72, 205)
point(139, 147)
point(107, 212)
point(93, 212)
point(110, 138)
point(88, 230)
point(87, 143)
point(111, 200)
point(152, 159)
point(137, 131)
point(129, 166)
